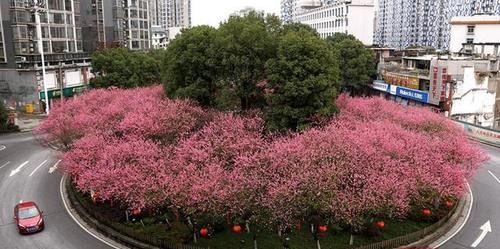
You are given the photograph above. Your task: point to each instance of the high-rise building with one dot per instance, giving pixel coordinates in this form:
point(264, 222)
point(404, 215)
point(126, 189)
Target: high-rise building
point(178, 13)
point(354, 17)
point(402, 24)
point(112, 23)
point(20, 60)
point(287, 10)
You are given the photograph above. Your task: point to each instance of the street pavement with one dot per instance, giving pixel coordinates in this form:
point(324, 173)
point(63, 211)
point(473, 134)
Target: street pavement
point(24, 175)
point(486, 208)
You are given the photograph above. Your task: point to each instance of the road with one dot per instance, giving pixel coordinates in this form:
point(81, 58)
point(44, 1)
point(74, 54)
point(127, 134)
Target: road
point(486, 207)
point(33, 182)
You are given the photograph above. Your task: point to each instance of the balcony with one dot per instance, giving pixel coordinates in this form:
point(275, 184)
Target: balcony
point(36, 58)
point(415, 72)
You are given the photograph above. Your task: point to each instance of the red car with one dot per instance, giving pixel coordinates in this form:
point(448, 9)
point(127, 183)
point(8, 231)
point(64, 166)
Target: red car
point(28, 217)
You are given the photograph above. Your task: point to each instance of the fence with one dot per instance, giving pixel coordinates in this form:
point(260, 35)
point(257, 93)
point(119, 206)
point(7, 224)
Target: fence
point(412, 237)
point(117, 231)
point(482, 134)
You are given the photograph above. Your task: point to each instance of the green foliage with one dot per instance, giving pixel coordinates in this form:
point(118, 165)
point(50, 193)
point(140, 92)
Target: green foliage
point(228, 68)
point(247, 43)
point(123, 68)
point(302, 81)
point(357, 63)
point(191, 64)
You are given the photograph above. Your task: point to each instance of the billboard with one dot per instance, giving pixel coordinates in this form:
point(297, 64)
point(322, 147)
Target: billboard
point(401, 80)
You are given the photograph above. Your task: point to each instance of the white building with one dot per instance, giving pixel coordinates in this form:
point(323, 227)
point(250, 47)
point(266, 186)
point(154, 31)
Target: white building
point(478, 29)
point(354, 17)
point(475, 94)
point(158, 37)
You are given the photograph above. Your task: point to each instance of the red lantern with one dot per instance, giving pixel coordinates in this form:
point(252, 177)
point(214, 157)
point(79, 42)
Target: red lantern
point(204, 232)
point(136, 212)
point(426, 212)
point(237, 229)
point(380, 224)
point(323, 228)
point(449, 204)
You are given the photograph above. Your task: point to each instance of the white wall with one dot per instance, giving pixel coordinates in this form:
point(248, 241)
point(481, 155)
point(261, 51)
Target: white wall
point(360, 16)
point(472, 97)
point(361, 23)
point(483, 33)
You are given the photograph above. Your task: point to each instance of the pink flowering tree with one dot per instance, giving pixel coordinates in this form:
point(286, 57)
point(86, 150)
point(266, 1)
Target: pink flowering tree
point(376, 159)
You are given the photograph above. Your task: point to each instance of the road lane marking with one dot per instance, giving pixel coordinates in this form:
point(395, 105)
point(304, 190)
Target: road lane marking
point(494, 176)
point(44, 162)
point(74, 218)
point(18, 169)
point(54, 168)
point(465, 220)
point(486, 228)
point(5, 164)
point(2, 147)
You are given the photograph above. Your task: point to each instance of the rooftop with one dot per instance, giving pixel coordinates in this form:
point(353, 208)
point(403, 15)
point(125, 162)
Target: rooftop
point(476, 19)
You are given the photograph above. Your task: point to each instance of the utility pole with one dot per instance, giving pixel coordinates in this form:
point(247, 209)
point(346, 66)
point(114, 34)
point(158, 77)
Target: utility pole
point(37, 7)
point(61, 81)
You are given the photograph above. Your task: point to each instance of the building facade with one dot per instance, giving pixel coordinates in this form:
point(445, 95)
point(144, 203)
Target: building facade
point(466, 86)
point(67, 66)
point(403, 24)
point(178, 13)
point(355, 17)
point(479, 29)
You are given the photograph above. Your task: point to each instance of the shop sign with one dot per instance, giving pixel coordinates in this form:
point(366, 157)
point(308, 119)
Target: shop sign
point(401, 80)
point(412, 94)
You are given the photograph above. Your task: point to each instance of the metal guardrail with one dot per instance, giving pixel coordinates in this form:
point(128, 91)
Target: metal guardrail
point(116, 231)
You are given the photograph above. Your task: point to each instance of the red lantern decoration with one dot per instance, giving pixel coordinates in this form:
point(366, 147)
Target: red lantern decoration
point(449, 204)
point(204, 232)
point(323, 228)
point(380, 224)
point(136, 212)
point(237, 229)
point(426, 212)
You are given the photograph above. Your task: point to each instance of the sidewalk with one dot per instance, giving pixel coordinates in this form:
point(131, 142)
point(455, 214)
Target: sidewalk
point(27, 122)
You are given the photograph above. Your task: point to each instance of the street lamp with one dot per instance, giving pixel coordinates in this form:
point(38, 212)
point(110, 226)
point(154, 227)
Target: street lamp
point(37, 7)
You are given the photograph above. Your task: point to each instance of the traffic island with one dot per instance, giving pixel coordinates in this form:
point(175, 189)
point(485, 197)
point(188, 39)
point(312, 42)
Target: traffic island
point(142, 232)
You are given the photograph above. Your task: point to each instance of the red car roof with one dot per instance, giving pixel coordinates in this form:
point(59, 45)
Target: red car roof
point(26, 204)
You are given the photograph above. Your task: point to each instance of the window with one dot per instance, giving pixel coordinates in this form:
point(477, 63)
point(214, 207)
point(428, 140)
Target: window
point(470, 29)
point(470, 40)
point(59, 47)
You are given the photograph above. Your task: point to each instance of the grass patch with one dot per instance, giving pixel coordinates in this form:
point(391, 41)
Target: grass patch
point(304, 240)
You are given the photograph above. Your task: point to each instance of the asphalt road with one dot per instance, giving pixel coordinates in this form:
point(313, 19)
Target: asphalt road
point(33, 182)
point(486, 207)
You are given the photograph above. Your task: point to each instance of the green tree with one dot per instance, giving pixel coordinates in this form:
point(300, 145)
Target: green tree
point(247, 43)
point(191, 64)
point(123, 68)
point(357, 62)
point(302, 81)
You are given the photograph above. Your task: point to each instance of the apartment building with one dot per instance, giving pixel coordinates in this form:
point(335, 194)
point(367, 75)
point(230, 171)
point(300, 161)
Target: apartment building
point(403, 24)
point(66, 64)
point(355, 17)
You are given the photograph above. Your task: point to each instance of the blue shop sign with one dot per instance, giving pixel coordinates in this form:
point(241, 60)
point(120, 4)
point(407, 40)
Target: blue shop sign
point(416, 95)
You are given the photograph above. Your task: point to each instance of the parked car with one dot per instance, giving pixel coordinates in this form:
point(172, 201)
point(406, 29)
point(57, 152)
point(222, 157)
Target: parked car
point(28, 217)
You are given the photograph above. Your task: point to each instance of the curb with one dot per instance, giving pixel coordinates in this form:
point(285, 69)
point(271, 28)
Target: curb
point(83, 219)
point(448, 230)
